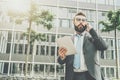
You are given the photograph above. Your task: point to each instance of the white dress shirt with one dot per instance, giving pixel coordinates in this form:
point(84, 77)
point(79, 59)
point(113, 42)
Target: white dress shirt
point(82, 60)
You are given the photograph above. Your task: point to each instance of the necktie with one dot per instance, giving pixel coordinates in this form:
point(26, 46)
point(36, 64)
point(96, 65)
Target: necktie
point(77, 55)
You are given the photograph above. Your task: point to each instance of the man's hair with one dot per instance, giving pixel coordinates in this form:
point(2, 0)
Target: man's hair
point(80, 13)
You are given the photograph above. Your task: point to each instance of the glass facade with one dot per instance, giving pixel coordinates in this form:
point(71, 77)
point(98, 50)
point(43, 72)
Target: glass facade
point(43, 63)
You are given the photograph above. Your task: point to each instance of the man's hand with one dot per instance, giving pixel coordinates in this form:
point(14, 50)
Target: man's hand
point(62, 52)
point(89, 27)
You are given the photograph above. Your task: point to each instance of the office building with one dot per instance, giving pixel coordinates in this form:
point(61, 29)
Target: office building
point(43, 63)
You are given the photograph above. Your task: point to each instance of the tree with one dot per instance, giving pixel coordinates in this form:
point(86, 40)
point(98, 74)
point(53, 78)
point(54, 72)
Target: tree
point(34, 15)
point(113, 23)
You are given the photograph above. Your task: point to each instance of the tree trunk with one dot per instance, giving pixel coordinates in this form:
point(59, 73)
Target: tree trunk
point(116, 55)
point(28, 50)
point(33, 55)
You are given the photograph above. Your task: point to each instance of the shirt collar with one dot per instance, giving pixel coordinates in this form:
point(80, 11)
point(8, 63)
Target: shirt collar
point(82, 34)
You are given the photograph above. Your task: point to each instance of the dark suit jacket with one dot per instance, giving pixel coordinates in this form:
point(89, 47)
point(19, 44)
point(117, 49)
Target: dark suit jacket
point(90, 47)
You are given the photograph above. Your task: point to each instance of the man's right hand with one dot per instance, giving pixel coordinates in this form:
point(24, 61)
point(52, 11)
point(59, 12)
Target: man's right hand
point(62, 52)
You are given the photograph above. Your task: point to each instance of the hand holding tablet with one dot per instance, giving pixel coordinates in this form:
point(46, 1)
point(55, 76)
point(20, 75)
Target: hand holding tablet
point(66, 42)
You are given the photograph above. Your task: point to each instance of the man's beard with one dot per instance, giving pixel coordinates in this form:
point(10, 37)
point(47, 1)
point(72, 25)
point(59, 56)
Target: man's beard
point(81, 29)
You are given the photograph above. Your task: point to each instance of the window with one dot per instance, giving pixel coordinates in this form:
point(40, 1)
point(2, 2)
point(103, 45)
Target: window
point(31, 49)
point(25, 48)
point(8, 48)
point(53, 38)
point(41, 68)
point(38, 50)
point(47, 50)
point(111, 42)
point(36, 68)
point(92, 15)
point(50, 37)
point(107, 72)
point(52, 69)
point(119, 44)
point(92, 1)
point(110, 2)
point(103, 71)
point(117, 2)
point(63, 13)
point(56, 23)
point(52, 50)
point(93, 24)
point(17, 36)
point(9, 36)
point(110, 54)
point(71, 12)
point(60, 69)
point(65, 23)
point(82, 0)
point(102, 55)
point(52, 9)
point(110, 72)
point(42, 50)
point(18, 48)
point(3, 41)
point(21, 67)
point(102, 15)
point(101, 1)
point(5, 70)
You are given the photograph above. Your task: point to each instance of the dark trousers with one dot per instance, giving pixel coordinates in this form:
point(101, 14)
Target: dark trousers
point(82, 76)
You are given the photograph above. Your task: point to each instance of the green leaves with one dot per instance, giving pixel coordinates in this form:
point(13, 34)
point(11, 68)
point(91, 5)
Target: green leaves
point(34, 36)
point(108, 27)
point(113, 24)
point(110, 13)
point(118, 27)
point(18, 21)
point(45, 18)
point(113, 21)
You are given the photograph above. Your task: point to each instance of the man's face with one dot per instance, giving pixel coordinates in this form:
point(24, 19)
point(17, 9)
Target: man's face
point(79, 22)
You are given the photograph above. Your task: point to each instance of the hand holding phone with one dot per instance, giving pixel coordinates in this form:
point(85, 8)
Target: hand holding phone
point(87, 27)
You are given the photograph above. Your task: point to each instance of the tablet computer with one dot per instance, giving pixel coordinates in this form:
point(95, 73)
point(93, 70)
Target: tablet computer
point(66, 42)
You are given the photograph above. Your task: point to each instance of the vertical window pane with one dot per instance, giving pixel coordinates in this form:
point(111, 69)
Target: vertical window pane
point(8, 48)
point(9, 36)
point(103, 71)
point(65, 23)
point(112, 72)
point(118, 2)
point(52, 51)
point(53, 38)
point(101, 1)
point(63, 13)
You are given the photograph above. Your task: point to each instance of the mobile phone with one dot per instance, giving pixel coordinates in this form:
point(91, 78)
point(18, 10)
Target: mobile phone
point(85, 27)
